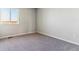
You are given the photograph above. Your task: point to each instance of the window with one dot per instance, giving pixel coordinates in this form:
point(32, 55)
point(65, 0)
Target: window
point(9, 15)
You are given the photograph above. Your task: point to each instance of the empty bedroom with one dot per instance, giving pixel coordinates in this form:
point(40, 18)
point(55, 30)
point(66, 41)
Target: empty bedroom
point(39, 29)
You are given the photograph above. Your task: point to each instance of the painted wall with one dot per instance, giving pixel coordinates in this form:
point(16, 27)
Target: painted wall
point(59, 23)
point(26, 24)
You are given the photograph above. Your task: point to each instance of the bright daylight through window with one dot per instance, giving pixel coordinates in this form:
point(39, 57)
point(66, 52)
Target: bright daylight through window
point(9, 16)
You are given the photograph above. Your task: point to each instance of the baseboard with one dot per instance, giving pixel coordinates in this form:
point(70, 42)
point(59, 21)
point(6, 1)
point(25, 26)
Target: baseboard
point(39, 33)
point(16, 35)
point(76, 43)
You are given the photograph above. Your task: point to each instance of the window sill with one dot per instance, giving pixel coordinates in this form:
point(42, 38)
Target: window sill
point(8, 22)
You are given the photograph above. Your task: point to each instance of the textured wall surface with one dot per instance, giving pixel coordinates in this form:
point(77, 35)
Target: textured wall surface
point(61, 23)
point(26, 23)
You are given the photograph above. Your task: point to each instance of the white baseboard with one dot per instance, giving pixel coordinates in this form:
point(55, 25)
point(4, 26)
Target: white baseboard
point(76, 43)
point(40, 33)
point(16, 35)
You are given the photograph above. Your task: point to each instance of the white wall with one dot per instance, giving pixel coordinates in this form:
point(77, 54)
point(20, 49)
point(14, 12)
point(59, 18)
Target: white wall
point(26, 24)
point(59, 23)
point(55, 22)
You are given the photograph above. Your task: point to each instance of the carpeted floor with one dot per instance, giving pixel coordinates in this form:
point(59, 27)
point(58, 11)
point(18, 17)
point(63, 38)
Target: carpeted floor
point(36, 42)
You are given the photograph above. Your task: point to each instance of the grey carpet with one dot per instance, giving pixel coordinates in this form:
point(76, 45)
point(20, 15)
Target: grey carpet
point(36, 42)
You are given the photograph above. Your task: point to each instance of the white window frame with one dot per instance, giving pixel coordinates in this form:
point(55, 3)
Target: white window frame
point(10, 22)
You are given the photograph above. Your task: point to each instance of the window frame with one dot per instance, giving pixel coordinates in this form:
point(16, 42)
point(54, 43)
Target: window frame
point(10, 22)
